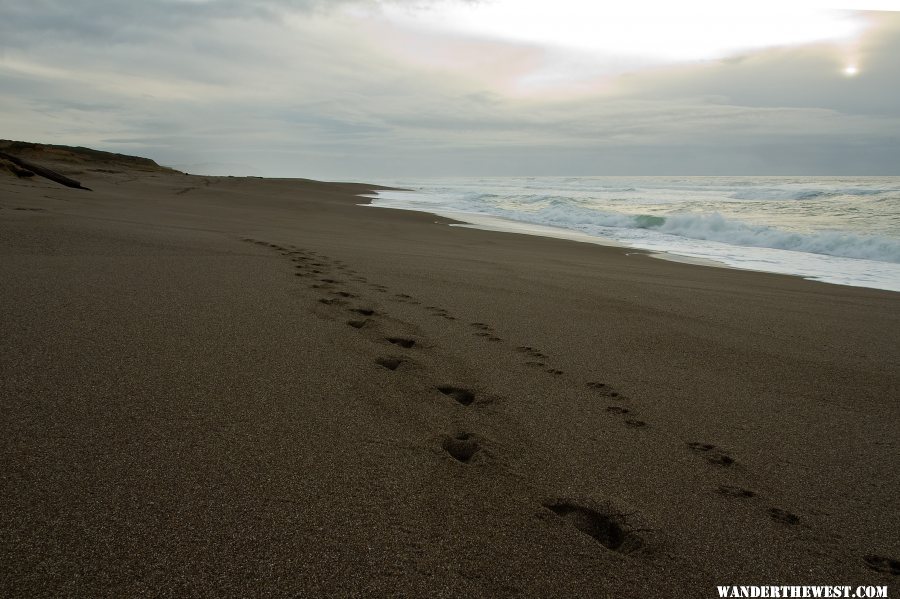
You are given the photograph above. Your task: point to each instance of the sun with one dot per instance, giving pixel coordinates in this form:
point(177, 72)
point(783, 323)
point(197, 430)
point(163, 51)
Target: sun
point(851, 70)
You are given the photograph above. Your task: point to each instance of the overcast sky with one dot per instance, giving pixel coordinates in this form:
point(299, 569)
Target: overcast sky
point(362, 89)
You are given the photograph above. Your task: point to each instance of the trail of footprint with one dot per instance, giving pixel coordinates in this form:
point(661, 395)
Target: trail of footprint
point(404, 298)
point(304, 260)
point(440, 312)
point(606, 528)
point(630, 422)
point(462, 447)
point(533, 353)
point(487, 336)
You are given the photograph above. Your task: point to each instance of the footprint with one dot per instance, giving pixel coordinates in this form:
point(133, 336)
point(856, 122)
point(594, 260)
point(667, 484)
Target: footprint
point(482, 334)
point(697, 446)
point(357, 324)
point(554, 371)
point(403, 297)
point(525, 349)
point(330, 301)
point(535, 364)
point(783, 516)
point(713, 454)
point(344, 294)
point(494, 338)
point(481, 325)
point(401, 341)
point(635, 423)
point(607, 527)
point(363, 311)
point(390, 363)
point(603, 388)
point(463, 396)
point(730, 491)
point(462, 447)
point(720, 459)
point(617, 410)
point(333, 281)
point(883, 564)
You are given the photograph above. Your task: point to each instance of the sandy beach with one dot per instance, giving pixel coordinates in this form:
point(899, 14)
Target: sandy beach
point(233, 387)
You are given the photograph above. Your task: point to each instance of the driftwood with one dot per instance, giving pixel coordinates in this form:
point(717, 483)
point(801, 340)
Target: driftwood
point(43, 172)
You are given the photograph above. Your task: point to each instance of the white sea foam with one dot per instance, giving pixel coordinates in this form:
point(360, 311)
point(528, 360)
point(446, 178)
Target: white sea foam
point(843, 231)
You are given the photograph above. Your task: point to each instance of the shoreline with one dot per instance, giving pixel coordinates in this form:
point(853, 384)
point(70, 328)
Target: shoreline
point(500, 224)
point(253, 386)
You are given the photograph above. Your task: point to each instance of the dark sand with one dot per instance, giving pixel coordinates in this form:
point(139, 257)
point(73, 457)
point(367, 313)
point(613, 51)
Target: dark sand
point(197, 401)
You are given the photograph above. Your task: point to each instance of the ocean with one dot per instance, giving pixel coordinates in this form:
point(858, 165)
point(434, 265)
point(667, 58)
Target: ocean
point(843, 230)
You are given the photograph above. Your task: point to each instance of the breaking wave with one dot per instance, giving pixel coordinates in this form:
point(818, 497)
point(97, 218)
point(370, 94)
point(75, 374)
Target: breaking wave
point(705, 226)
point(714, 227)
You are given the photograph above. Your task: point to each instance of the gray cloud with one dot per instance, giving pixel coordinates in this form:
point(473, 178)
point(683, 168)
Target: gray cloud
point(295, 86)
point(126, 21)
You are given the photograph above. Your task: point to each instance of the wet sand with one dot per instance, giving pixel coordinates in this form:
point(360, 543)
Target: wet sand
point(247, 387)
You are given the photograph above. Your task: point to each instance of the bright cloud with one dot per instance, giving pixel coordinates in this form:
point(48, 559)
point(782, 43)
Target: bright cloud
point(361, 88)
point(659, 31)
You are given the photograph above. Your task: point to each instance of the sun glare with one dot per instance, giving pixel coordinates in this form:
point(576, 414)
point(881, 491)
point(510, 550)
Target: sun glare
point(660, 31)
point(851, 70)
